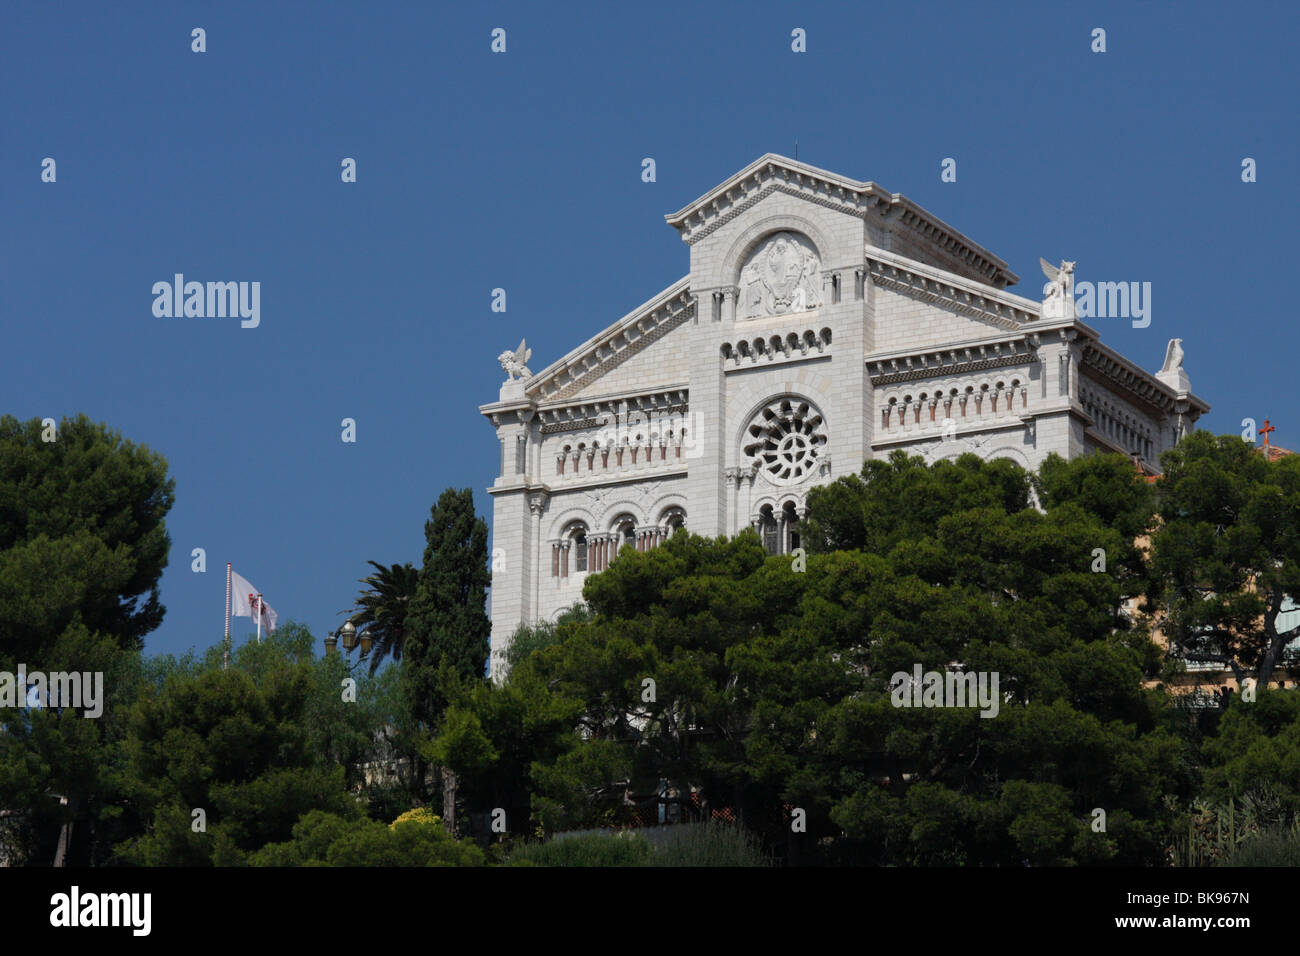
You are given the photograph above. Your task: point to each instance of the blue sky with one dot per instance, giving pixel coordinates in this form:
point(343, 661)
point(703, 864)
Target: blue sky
point(522, 171)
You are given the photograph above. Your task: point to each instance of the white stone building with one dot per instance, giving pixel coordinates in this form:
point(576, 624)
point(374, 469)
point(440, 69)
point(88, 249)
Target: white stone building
point(823, 322)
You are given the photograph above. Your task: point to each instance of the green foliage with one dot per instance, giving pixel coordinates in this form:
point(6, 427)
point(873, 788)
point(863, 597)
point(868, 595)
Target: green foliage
point(694, 844)
point(255, 747)
point(1107, 487)
point(710, 844)
point(461, 743)
point(1256, 745)
point(1268, 848)
point(530, 638)
point(1228, 551)
point(623, 849)
point(82, 535)
point(768, 687)
point(447, 623)
point(1252, 826)
point(771, 686)
point(324, 839)
point(82, 545)
point(865, 513)
point(382, 608)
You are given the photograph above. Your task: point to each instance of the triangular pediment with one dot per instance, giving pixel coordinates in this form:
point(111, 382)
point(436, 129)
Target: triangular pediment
point(903, 226)
point(622, 355)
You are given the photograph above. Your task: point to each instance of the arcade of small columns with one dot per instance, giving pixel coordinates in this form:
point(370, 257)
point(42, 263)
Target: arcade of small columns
point(1121, 426)
point(776, 526)
point(626, 454)
point(594, 552)
point(983, 402)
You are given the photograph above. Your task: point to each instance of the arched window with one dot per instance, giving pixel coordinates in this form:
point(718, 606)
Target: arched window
point(572, 544)
point(767, 530)
point(675, 519)
point(791, 526)
point(624, 533)
point(580, 549)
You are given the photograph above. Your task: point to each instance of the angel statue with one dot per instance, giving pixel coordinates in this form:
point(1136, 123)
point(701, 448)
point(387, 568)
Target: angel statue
point(514, 362)
point(1058, 298)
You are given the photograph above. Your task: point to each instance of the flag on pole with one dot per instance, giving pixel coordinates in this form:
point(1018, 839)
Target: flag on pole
point(246, 601)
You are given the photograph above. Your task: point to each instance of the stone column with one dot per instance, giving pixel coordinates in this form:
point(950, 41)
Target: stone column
point(536, 505)
point(733, 490)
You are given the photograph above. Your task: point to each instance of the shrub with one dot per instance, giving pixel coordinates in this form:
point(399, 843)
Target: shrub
point(621, 849)
point(711, 844)
point(696, 844)
point(418, 815)
point(327, 839)
point(1274, 847)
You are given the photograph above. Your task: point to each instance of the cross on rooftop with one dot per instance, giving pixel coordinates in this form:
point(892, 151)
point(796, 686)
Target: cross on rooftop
point(1265, 430)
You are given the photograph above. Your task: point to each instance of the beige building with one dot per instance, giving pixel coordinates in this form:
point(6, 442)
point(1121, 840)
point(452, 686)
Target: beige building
point(821, 322)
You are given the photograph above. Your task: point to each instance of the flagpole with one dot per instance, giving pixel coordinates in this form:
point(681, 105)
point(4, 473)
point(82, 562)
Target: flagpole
point(225, 660)
point(259, 619)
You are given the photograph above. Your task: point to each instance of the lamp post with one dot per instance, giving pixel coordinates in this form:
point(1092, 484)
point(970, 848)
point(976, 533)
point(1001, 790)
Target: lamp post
point(348, 636)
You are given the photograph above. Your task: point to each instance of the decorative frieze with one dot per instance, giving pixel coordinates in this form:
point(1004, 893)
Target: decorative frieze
point(776, 347)
point(964, 360)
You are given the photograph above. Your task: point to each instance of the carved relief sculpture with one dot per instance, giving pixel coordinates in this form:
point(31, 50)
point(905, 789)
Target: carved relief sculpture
point(781, 276)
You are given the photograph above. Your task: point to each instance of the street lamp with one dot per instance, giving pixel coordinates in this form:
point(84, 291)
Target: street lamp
point(349, 637)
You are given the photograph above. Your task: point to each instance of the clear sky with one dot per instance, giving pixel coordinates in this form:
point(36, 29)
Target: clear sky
point(522, 171)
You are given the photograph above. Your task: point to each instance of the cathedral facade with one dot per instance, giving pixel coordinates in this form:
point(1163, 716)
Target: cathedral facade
point(823, 322)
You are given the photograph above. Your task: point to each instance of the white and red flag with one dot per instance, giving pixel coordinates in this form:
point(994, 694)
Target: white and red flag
point(245, 601)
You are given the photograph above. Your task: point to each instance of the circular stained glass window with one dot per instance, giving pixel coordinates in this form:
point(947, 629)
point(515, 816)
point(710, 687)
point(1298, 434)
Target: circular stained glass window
point(785, 439)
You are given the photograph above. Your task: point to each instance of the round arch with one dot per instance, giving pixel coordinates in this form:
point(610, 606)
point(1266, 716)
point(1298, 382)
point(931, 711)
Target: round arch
point(729, 269)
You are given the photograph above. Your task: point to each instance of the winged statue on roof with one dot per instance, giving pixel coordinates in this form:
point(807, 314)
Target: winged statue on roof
point(1058, 293)
point(515, 363)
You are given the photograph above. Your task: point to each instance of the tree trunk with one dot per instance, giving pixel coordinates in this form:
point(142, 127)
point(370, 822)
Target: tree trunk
point(449, 800)
point(65, 837)
point(1276, 642)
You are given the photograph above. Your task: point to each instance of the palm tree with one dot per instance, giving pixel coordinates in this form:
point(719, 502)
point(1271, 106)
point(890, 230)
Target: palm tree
point(381, 609)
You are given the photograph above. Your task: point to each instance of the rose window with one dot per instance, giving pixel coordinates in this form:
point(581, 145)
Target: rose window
point(785, 440)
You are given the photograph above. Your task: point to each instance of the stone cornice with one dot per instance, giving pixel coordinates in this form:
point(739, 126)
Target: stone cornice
point(893, 368)
point(577, 424)
point(654, 400)
point(889, 440)
point(667, 472)
point(1119, 373)
point(949, 290)
point(772, 173)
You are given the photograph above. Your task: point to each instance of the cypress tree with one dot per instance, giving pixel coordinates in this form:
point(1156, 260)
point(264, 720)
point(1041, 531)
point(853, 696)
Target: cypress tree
point(447, 626)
